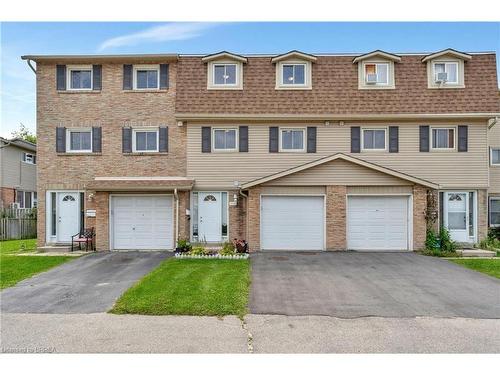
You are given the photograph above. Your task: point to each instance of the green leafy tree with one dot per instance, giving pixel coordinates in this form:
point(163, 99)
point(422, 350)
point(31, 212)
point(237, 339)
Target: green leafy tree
point(25, 134)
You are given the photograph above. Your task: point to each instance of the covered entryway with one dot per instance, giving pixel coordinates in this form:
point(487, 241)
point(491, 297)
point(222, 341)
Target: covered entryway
point(378, 223)
point(142, 222)
point(292, 222)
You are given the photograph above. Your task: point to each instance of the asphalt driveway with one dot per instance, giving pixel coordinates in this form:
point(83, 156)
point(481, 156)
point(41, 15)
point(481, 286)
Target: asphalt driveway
point(351, 285)
point(88, 284)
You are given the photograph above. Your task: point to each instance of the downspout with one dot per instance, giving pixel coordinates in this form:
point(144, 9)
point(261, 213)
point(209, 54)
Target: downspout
point(176, 196)
point(31, 66)
point(493, 123)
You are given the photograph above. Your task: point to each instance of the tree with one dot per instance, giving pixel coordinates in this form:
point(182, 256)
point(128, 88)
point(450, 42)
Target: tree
point(25, 134)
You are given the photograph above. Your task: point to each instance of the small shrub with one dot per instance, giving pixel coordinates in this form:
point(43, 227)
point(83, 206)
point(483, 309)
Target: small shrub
point(431, 241)
point(494, 233)
point(490, 243)
point(198, 250)
point(228, 248)
point(183, 246)
point(447, 244)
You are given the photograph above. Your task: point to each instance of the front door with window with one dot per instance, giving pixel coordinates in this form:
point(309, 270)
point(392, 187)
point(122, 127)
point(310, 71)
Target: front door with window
point(459, 215)
point(68, 216)
point(209, 220)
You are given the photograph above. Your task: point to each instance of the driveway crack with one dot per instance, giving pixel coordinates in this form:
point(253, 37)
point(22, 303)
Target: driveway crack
point(249, 335)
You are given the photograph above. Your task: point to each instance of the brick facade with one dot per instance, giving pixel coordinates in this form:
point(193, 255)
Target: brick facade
point(419, 222)
point(7, 196)
point(336, 217)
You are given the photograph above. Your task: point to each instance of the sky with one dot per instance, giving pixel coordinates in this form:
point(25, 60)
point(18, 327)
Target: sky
point(17, 81)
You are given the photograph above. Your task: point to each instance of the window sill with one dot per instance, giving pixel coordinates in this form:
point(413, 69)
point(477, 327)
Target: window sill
point(292, 88)
point(376, 87)
point(144, 153)
point(78, 91)
point(145, 91)
point(446, 87)
point(79, 153)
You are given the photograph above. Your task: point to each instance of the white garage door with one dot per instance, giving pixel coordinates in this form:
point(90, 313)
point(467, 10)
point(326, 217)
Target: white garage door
point(377, 223)
point(142, 222)
point(292, 223)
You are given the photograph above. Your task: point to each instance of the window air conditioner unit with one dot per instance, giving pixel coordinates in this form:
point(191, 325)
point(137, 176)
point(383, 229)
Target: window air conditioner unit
point(15, 206)
point(371, 78)
point(441, 77)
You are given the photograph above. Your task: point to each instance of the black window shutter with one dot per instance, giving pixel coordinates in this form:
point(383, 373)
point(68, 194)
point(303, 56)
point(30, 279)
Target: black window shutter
point(355, 139)
point(206, 139)
point(126, 140)
point(61, 77)
point(393, 138)
point(96, 139)
point(163, 139)
point(424, 138)
point(311, 139)
point(243, 138)
point(163, 76)
point(463, 141)
point(127, 77)
point(61, 139)
point(96, 77)
point(273, 139)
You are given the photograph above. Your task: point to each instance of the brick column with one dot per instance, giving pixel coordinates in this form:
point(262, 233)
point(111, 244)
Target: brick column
point(237, 217)
point(40, 218)
point(419, 222)
point(336, 217)
point(101, 204)
point(482, 214)
point(253, 219)
point(183, 221)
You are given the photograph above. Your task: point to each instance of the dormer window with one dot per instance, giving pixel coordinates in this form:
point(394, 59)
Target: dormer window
point(377, 74)
point(294, 71)
point(376, 70)
point(445, 69)
point(224, 71)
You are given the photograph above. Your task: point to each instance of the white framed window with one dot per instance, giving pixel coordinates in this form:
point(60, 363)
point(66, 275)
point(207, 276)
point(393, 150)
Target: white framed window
point(495, 156)
point(225, 139)
point(79, 77)
point(443, 138)
point(224, 75)
point(146, 77)
point(29, 158)
point(26, 199)
point(374, 139)
point(376, 73)
point(292, 139)
point(78, 140)
point(293, 75)
point(145, 140)
point(495, 211)
point(445, 72)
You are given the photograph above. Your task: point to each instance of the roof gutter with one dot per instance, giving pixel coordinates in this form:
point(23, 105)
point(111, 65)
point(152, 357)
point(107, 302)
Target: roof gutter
point(28, 61)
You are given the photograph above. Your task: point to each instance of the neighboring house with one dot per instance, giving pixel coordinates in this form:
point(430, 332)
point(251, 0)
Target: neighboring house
point(292, 152)
point(494, 161)
point(17, 173)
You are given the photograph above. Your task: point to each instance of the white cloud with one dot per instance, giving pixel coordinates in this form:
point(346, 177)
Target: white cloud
point(163, 33)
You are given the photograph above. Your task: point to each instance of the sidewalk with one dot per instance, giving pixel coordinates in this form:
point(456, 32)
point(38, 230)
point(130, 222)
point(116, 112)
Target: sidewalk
point(107, 333)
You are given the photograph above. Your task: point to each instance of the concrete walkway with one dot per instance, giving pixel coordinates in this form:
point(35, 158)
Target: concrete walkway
point(88, 284)
point(107, 333)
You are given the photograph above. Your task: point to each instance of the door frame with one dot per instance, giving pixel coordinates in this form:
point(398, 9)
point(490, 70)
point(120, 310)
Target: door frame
point(444, 219)
point(292, 195)
point(409, 220)
point(191, 221)
point(111, 223)
point(49, 238)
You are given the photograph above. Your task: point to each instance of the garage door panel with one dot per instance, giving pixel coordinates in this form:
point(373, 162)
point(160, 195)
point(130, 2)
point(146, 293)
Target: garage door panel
point(292, 223)
point(377, 223)
point(142, 222)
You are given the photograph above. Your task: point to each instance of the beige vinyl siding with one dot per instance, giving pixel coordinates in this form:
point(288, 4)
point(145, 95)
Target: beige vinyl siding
point(338, 172)
point(16, 173)
point(494, 141)
point(291, 190)
point(449, 169)
point(379, 189)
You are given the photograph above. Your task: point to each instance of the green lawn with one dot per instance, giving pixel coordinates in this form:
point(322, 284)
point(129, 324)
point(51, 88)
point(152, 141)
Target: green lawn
point(190, 287)
point(14, 268)
point(488, 266)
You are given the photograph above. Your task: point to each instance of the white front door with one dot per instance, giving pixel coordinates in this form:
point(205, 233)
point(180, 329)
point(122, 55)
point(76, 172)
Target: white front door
point(378, 223)
point(292, 222)
point(209, 217)
point(142, 222)
point(456, 215)
point(68, 212)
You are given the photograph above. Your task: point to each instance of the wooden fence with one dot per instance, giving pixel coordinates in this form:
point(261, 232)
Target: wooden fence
point(17, 223)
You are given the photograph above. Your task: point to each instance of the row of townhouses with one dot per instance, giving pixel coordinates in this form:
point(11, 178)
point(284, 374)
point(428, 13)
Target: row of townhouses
point(293, 151)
